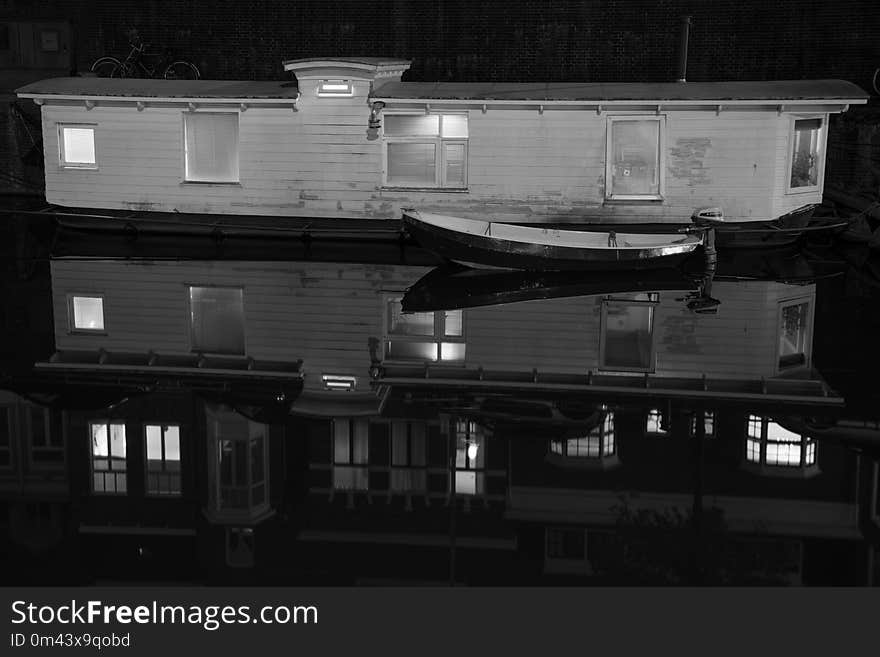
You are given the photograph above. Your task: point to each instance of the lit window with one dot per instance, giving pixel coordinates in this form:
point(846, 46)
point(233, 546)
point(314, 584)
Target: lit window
point(769, 443)
point(163, 459)
point(408, 458)
point(428, 336)
point(806, 155)
point(599, 443)
point(656, 423)
point(708, 419)
point(217, 319)
point(108, 457)
point(329, 88)
point(240, 447)
point(426, 150)
point(77, 146)
point(470, 458)
point(627, 332)
point(211, 147)
point(634, 162)
point(86, 312)
point(350, 455)
point(5, 436)
point(794, 334)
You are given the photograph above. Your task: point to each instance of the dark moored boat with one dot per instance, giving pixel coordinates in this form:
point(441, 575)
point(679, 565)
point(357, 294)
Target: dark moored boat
point(782, 231)
point(488, 244)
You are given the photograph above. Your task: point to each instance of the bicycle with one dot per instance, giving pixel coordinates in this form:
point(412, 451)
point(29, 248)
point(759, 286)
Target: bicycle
point(135, 66)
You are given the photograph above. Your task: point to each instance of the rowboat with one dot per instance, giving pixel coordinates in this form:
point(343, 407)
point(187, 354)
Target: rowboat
point(488, 244)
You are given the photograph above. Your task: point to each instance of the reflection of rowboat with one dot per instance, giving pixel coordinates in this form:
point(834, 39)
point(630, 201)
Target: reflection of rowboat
point(454, 286)
point(488, 244)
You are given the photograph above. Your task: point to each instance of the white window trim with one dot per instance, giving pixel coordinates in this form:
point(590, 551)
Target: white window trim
point(789, 161)
point(162, 425)
point(183, 177)
point(71, 324)
point(603, 326)
point(439, 157)
point(808, 348)
point(62, 161)
point(189, 323)
point(438, 337)
point(609, 158)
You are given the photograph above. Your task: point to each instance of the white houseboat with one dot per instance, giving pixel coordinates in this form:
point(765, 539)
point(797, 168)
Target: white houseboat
point(349, 139)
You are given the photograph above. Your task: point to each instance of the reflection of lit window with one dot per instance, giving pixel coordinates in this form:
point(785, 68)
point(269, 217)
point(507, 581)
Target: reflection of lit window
point(566, 543)
point(240, 446)
point(627, 332)
point(217, 319)
point(108, 457)
point(428, 336)
point(470, 458)
point(656, 422)
point(77, 146)
point(769, 443)
point(350, 456)
point(794, 334)
point(806, 155)
point(163, 459)
point(596, 444)
point(708, 420)
point(408, 461)
point(634, 168)
point(426, 150)
point(86, 312)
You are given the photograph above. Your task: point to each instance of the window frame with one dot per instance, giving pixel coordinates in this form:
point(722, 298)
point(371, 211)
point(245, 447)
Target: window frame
point(610, 300)
point(162, 426)
point(62, 159)
point(808, 340)
point(71, 317)
point(440, 183)
point(33, 448)
point(603, 432)
point(438, 337)
point(808, 446)
point(415, 473)
point(10, 429)
point(704, 416)
point(357, 468)
point(661, 420)
point(116, 492)
point(187, 287)
point(661, 157)
point(184, 168)
point(821, 144)
point(475, 433)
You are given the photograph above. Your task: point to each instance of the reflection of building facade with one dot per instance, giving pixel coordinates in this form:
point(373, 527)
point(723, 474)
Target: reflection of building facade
point(507, 456)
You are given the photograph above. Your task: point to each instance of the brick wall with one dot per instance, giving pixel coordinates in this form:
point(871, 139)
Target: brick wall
point(585, 40)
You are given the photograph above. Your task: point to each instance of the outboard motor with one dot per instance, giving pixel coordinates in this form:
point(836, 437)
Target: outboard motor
point(708, 216)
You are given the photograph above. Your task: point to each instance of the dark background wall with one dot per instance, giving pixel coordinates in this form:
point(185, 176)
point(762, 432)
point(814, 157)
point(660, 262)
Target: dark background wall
point(560, 40)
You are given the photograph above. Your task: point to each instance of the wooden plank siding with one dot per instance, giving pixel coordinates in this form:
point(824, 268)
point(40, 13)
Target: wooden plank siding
point(326, 314)
point(522, 165)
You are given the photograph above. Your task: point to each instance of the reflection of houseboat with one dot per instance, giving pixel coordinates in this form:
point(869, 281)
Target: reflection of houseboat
point(350, 140)
point(497, 435)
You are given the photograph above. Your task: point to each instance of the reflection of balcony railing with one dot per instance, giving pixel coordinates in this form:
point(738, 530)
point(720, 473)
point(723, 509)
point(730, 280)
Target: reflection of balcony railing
point(409, 479)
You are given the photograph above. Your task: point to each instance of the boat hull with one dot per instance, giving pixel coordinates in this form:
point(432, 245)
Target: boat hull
point(480, 251)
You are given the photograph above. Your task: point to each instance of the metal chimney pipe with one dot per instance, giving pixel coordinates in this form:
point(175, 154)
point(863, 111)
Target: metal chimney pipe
point(683, 48)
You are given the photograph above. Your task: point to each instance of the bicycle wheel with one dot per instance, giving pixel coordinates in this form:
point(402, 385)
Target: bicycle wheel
point(181, 70)
point(108, 67)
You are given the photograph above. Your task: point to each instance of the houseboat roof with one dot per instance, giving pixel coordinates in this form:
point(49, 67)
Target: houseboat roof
point(356, 62)
point(598, 92)
point(779, 90)
point(133, 89)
